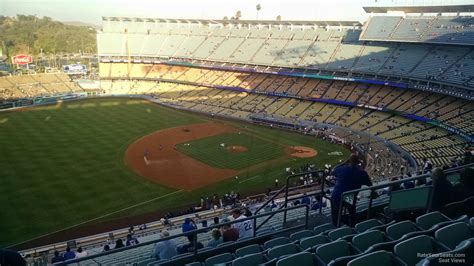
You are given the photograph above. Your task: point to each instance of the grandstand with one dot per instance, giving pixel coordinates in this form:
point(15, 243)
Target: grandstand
point(398, 89)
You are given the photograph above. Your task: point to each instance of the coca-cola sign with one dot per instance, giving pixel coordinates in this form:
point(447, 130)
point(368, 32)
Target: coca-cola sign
point(22, 59)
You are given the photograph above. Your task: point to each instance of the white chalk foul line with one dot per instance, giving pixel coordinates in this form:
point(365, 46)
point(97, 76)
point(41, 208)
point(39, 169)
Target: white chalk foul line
point(102, 216)
point(253, 177)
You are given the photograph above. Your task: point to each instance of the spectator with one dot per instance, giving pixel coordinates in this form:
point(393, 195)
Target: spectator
point(306, 200)
point(188, 225)
point(408, 184)
point(69, 255)
point(420, 181)
point(216, 220)
point(119, 244)
point(216, 238)
point(57, 257)
point(465, 188)
point(131, 230)
point(165, 249)
point(190, 246)
point(245, 228)
point(229, 233)
point(442, 189)
point(427, 166)
point(247, 213)
point(319, 203)
point(274, 205)
point(106, 248)
point(348, 177)
point(131, 240)
point(81, 253)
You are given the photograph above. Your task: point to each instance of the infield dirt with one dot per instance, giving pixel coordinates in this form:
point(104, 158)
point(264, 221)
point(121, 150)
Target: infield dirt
point(155, 157)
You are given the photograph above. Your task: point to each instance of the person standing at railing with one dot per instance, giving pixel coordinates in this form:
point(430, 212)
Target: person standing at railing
point(166, 249)
point(348, 177)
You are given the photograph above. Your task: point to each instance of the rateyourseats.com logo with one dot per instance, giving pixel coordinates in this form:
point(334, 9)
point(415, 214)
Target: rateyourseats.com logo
point(448, 258)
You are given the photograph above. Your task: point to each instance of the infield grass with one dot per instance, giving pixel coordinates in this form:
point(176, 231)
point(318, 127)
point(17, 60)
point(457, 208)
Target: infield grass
point(211, 152)
point(63, 165)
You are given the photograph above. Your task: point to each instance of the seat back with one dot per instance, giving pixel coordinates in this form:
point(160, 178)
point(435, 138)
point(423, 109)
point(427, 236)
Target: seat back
point(333, 250)
point(381, 257)
point(323, 228)
point(219, 259)
point(249, 260)
point(252, 249)
point(428, 220)
point(196, 263)
point(366, 225)
point(364, 240)
point(453, 234)
point(276, 242)
point(278, 251)
point(396, 231)
point(462, 255)
point(340, 232)
point(301, 234)
point(408, 250)
point(309, 242)
point(300, 259)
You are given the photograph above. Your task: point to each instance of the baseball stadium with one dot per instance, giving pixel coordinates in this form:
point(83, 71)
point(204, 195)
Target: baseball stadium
point(193, 128)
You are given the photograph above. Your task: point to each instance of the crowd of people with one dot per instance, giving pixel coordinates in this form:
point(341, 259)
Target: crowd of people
point(348, 176)
point(226, 232)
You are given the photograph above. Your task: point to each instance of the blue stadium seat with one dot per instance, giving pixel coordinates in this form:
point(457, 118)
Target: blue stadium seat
point(337, 252)
point(431, 220)
point(341, 232)
point(381, 257)
point(282, 250)
point(251, 249)
point(464, 253)
point(323, 228)
point(300, 259)
point(451, 235)
point(312, 241)
point(249, 260)
point(299, 235)
point(401, 229)
point(219, 259)
point(409, 250)
point(365, 241)
point(366, 225)
point(275, 242)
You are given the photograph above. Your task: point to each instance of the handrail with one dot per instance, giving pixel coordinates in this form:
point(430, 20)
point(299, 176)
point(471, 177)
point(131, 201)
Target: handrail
point(354, 192)
point(193, 232)
point(319, 175)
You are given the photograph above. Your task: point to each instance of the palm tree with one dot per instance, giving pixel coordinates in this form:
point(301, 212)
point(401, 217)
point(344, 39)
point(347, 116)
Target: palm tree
point(258, 7)
point(238, 15)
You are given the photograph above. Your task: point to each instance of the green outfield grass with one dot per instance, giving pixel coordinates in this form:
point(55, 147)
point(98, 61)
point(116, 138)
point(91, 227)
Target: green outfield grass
point(210, 151)
point(63, 165)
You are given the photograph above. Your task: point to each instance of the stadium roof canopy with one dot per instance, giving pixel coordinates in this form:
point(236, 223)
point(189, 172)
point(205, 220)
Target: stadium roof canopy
point(242, 22)
point(421, 9)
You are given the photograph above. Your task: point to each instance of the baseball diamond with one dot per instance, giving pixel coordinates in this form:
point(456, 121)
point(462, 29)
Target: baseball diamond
point(79, 153)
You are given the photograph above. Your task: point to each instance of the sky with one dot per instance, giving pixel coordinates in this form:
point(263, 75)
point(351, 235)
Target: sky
point(91, 11)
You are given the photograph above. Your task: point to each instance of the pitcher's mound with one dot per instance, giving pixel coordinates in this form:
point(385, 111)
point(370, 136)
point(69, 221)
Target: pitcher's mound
point(301, 152)
point(236, 149)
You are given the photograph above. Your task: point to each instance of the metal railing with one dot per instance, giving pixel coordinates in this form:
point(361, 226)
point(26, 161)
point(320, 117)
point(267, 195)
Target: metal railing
point(372, 189)
point(254, 218)
point(320, 177)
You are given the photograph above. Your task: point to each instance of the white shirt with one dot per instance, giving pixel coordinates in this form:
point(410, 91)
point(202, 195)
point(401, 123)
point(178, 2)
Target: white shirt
point(245, 228)
point(81, 254)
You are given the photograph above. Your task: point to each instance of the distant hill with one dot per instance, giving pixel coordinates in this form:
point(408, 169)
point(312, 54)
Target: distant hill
point(81, 24)
point(33, 35)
